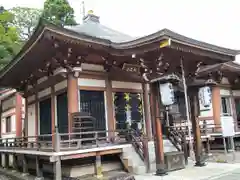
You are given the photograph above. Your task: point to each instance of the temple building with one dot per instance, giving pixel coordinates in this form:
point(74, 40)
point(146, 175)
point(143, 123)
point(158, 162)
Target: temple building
point(225, 96)
point(92, 93)
point(12, 113)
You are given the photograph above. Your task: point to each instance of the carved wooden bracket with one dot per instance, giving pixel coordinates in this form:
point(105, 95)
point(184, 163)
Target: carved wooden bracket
point(214, 78)
point(108, 63)
point(156, 67)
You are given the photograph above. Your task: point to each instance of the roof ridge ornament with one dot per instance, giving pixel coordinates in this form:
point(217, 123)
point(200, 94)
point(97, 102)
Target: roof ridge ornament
point(90, 12)
point(91, 17)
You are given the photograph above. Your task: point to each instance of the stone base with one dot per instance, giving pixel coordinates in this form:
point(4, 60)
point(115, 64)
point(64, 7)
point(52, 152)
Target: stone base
point(174, 160)
point(39, 178)
point(161, 172)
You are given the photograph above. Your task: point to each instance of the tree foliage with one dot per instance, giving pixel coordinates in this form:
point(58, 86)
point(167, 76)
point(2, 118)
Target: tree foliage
point(25, 20)
point(59, 12)
point(9, 38)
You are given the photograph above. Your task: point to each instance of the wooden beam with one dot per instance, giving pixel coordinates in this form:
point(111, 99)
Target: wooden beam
point(78, 156)
point(112, 151)
point(91, 154)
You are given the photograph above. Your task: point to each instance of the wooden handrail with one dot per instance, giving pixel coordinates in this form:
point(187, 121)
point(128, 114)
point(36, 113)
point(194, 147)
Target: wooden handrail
point(65, 140)
point(140, 144)
point(178, 139)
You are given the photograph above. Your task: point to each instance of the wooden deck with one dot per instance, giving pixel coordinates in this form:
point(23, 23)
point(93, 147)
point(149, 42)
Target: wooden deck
point(64, 142)
point(55, 149)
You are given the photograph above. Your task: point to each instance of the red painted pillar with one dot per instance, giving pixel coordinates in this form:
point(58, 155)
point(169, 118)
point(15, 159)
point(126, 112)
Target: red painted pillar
point(72, 93)
point(18, 106)
point(26, 118)
point(156, 123)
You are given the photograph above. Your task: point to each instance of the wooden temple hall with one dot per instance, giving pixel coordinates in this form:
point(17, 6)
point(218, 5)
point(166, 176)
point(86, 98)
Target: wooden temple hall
point(93, 104)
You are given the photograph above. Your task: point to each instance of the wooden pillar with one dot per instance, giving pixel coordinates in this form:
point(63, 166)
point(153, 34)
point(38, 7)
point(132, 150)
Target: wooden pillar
point(24, 164)
point(72, 93)
point(18, 107)
point(36, 114)
point(53, 111)
point(5, 160)
point(14, 162)
point(26, 118)
point(1, 119)
point(39, 167)
point(234, 113)
point(196, 128)
point(98, 166)
point(158, 138)
point(110, 108)
point(146, 110)
point(216, 105)
point(57, 167)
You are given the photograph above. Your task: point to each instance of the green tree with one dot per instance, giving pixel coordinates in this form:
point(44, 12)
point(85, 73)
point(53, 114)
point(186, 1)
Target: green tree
point(9, 38)
point(25, 20)
point(59, 12)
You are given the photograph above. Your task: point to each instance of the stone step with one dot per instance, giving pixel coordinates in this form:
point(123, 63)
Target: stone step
point(134, 164)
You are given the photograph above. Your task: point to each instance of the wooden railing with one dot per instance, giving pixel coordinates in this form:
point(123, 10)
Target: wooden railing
point(179, 135)
point(205, 129)
point(69, 141)
point(140, 144)
point(76, 141)
point(178, 139)
point(30, 142)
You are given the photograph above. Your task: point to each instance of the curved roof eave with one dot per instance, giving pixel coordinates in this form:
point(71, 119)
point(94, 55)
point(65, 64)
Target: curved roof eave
point(26, 47)
point(162, 34)
point(230, 66)
point(44, 26)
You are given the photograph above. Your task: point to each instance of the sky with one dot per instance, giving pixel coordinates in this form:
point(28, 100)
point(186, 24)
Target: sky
point(213, 21)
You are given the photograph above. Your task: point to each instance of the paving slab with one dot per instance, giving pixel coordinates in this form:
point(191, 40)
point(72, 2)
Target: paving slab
point(210, 171)
point(234, 175)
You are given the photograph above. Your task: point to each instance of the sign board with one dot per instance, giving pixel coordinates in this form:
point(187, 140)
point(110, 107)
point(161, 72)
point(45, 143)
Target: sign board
point(165, 43)
point(227, 125)
point(131, 68)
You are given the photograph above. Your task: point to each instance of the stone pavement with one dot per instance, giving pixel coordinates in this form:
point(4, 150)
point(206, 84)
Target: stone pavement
point(234, 175)
point(220, 156)
point(213, 171)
